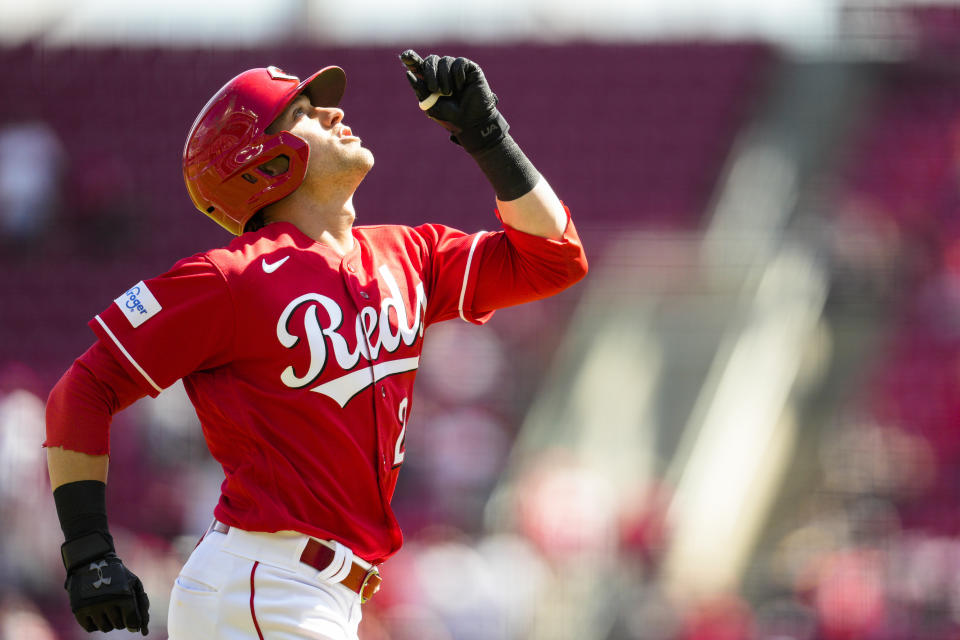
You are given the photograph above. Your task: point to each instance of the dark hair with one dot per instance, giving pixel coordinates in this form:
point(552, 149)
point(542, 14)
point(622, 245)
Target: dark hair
point(255, 223)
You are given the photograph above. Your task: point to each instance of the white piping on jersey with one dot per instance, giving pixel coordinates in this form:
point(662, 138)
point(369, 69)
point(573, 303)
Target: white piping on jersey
point(127, 354)
point(342, 389)
point(466, 273)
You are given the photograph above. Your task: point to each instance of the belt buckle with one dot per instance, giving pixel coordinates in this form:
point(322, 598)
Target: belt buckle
point(373, 574)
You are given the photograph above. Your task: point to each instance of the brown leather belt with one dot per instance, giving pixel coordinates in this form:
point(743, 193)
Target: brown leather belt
point(363, 582)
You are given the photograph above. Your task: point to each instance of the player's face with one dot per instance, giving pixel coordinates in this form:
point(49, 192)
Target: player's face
point(333, 147)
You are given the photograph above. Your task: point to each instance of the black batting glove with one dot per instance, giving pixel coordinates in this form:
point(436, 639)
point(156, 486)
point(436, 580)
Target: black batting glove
point(104, 594)
point(467, 107)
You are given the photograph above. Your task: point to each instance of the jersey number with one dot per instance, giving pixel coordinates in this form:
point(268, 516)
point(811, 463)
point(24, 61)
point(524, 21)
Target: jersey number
point(398, 451)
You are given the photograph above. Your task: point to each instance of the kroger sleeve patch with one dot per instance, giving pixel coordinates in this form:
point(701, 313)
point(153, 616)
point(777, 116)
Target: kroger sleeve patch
point(138, 304)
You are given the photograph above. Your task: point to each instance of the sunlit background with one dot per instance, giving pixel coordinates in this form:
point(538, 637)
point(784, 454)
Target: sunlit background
point(743, 425)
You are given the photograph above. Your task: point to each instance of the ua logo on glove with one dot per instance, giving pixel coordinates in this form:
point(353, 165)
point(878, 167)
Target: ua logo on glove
point(99, 567)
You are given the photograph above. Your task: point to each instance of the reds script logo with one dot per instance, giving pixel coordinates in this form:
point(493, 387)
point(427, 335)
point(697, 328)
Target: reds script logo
point(372, 332)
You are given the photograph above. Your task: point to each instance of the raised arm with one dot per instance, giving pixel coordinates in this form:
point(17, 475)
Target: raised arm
point(538, 212)
point(455, 93)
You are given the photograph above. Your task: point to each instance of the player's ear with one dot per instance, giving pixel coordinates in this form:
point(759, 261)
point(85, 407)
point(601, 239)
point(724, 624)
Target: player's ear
point(276, 166)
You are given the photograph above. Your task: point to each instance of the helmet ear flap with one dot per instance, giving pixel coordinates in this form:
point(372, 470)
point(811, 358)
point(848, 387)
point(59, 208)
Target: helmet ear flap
point(232, 197)
point(275, 167)
point(277, 186)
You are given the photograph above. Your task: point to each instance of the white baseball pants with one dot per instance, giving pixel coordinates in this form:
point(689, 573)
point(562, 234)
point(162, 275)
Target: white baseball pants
point(252, 586)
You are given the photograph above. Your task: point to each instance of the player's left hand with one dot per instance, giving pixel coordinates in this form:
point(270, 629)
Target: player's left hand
point(462, 100)
point(105, 595)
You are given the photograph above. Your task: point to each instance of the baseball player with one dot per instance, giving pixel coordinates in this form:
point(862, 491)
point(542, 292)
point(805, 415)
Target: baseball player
point(298, 344)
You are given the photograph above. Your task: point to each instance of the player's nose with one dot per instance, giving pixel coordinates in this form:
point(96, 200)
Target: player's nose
point(329, 116)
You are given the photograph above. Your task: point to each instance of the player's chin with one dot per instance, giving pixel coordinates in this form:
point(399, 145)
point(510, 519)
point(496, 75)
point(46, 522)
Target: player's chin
point(365, 157)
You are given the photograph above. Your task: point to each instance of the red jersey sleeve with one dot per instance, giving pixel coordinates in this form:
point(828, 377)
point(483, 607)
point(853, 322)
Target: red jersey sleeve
point(81, 405)
point(167, 327)
point(473, 275)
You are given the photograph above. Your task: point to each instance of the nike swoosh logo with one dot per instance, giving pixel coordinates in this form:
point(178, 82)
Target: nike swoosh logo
point(270, 267)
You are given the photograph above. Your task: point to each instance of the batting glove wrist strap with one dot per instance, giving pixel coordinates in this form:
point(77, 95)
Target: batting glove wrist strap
point(85, 549)
point(482, 136)
point(507, 168)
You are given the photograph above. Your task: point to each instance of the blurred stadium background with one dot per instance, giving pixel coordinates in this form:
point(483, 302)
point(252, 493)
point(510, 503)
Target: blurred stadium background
point(742, 425)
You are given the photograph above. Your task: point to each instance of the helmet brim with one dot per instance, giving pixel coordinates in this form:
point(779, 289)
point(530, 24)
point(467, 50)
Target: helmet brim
point(324, 88)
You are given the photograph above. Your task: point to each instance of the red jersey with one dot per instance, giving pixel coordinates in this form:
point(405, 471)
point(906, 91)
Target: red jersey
point(300, 362)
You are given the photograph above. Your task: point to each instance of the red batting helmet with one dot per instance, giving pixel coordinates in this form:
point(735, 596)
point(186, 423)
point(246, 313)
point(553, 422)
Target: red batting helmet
point(228, 142)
